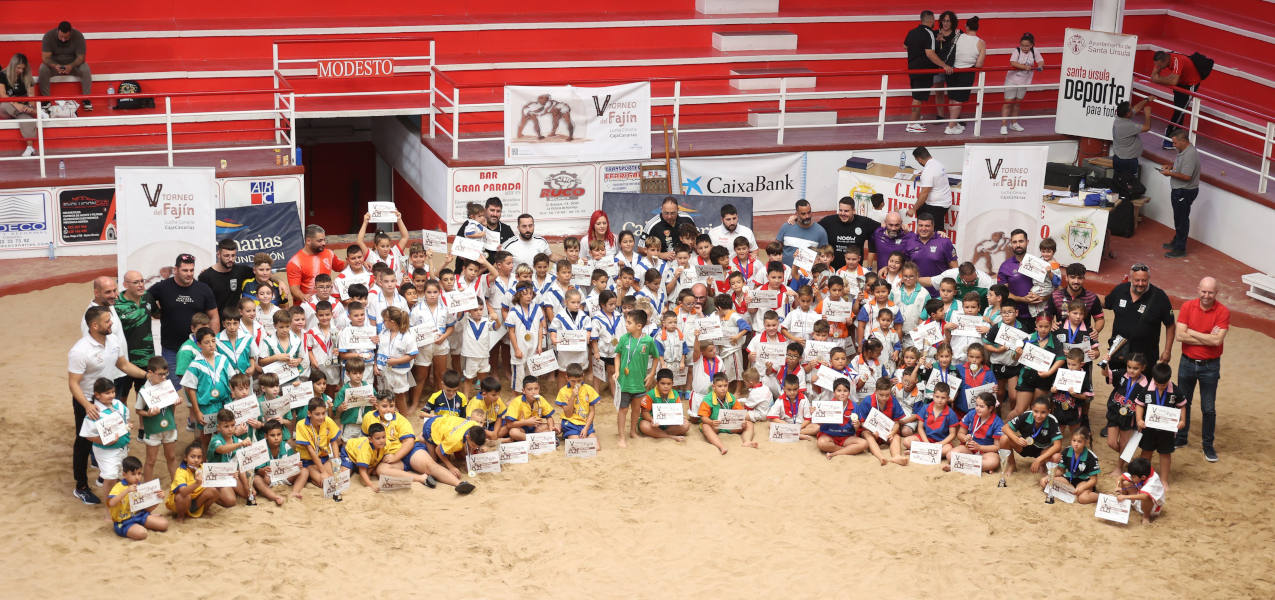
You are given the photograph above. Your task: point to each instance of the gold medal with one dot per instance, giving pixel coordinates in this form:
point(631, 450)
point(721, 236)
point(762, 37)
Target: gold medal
point(163, 422)
point(527, 337)
point(1124, 410)
point(1028, 441)
point(215, 393)
point(626, 370)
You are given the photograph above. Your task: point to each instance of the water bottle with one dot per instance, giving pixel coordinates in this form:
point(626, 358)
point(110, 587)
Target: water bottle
point(1082, 186)
point(52, 253)
point(903, 160)
point(110, 91)
point(62, 169)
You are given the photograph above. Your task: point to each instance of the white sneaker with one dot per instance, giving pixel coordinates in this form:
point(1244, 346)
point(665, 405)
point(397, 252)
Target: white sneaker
point(916, 128)
point(29, 151)
point(1015, 126)
point(1004, 130)
point(959, 128)
point(949, 130)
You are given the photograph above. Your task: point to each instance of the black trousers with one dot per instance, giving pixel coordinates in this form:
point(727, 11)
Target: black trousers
point(80, 450)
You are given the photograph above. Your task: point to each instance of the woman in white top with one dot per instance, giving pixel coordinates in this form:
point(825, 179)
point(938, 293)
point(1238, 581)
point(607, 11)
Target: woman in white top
point(1024, 60)
point(970, 52)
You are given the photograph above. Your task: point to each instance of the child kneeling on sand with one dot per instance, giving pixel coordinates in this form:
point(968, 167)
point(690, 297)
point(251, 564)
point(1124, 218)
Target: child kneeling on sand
point(717, 400)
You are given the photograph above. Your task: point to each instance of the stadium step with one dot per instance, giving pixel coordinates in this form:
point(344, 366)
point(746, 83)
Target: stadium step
point(739, 41)
point(811, 117)
point(736, 7)
point(771, 83)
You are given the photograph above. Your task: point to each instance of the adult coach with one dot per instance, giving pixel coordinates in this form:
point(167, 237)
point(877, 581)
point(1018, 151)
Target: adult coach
point(225, 278)
point(308, 262)
point(1020, 286)
point(666, 227)
point(1202, 326)
point(802, 233)
point(177, 299)
point(493, 209)
point(527, 244)
point(932, 253)
point(888, 238)
point(921, 55)
point(104, 294)
point(1139, 309)
point(134, 308)
point(846, 230)
point(95, 355)
point(1184, 186)
point(724, 234)
point(932, 189)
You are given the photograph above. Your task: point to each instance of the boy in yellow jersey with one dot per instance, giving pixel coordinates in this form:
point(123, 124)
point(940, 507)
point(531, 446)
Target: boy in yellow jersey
point(450, 440)
point(447, 401)
point(128, 523)
point(577, 401)
point(276, 449)
point(186, 497)
point(366, 456)
point(717, 400)
point(486, 408)
point(527, 413)
point(662, 393)
point(316, 437)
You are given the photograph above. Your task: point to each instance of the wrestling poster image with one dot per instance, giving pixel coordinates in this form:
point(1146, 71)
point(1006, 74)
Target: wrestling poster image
point(551, 124)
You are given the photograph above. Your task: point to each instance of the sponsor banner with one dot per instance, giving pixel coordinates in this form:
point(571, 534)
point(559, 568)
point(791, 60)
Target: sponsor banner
point(1079, 230)
point(477, 185)
point(900, 195)
point(25, 220)
point(271, 228)
point(1002, 186)
point(252, 191)
point(164, 212)
point(550, 124)
point(775, 182)
point(87, 216)
point(620, 177)
point(560, 192)
point(1097, 74)
point(334, 68)
point(639, 212)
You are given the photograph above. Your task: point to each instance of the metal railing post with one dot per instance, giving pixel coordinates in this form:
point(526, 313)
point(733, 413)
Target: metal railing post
point(677, 104)
point(783, 106)
point(1195, 117)
point(274, 76)
point(455, 122)
point(168, 126)
point(978, 104)
point(1266, 158)
point(292, 127)
point(39, 134)
point(885, 87)
point(433, 108)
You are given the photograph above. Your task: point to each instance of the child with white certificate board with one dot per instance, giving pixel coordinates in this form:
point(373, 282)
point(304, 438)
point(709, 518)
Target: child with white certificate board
point(1034, 434)
point(1127, 385)
point(1078, 467)
point(840, 439)
point(882, 400)
point(1142, 485)
point(980, 433)
point(1162, 393)
point(662, 393)
point(710, 414)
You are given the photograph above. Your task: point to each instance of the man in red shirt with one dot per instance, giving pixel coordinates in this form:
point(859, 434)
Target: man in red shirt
point(309, 261)
point(1178, 71)
point(1202, 326)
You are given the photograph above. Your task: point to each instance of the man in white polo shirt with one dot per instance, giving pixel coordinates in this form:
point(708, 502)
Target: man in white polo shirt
point(932, 191)
point(95, 355)
point(526, 245)
point(104, 294)
point(724, 235)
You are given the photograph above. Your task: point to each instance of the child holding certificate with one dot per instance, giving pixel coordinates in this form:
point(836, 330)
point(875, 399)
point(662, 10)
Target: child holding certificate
point(840, 439)
point(882, 400)
point(1127, 385)
point(793, 407)
point(1141, 484)
point(275, 450)
point(128, 523)
point(1036, 382)
point(662, 394)
point(936, 422)
point(1034, 434)
point(186, 497)
point(1069, 405)
point(578, 402)
point(974, 374)
point(980, 433)
point(710, 413)
point(1078, 466)
point(108, 452)
point(159, 425)
point(1160, 393)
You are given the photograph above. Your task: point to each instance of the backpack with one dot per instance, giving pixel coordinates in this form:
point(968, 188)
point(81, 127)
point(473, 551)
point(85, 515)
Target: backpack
point(130, 86)
point(1203, 65)
point(1128, 185)
point(1120, 220)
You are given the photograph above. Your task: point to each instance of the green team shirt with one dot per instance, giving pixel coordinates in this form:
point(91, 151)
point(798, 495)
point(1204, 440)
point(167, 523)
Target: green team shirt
point(164, 421)
point(135, 320)
point(348, 417)
point(632, 361)
point(186, 354)
point(218, 441)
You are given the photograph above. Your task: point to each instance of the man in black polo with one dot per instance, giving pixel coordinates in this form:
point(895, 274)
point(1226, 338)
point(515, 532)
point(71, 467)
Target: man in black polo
point(921, 55)
point(226, 278)
point(176, 300)
point(666, 226)
point(847, 229)
point(1140, 310)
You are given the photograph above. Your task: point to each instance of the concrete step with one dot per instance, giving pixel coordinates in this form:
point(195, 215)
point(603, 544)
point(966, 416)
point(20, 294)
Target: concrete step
point(738, 41)
point(811, 117)
point(771, 83)
point(736, 7)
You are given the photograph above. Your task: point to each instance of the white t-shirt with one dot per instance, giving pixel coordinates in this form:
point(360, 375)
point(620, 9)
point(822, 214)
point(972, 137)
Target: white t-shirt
point(524, 251)
point(726, 239)
point(984, 280)
point(934, 176)
point(93, 360)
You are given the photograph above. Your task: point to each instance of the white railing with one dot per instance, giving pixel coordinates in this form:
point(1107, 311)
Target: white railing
point(408, 54)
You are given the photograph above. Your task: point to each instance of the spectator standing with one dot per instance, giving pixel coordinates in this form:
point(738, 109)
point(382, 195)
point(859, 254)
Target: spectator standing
point(1176, 70)
point(932, 189)
point(16, 82)
point(62, 52)
point(225, 278)
point(1138, 311)
point(1201, 328)
point(313, 258)
point(1126, 136)
point(969, 51)
point(888, 238)
point(104, 294)
point(921, 48)
point(493, 209)
point(724, 234)
point(846, 229)
point(804, 233)
point(1020, 285)
point(527, 244)
point(134, 308)
point(1184, 186)
point(666, 227)
point(176, 300)
point(945, 47)
point(1025, 60)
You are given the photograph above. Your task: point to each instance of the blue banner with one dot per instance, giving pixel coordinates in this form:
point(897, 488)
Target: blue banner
point(638, 212)
point(271, 228)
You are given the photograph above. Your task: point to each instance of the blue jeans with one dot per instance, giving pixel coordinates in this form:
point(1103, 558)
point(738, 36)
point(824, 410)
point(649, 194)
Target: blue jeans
point(1206, 375)
point(170, 357)
point(1181, 199)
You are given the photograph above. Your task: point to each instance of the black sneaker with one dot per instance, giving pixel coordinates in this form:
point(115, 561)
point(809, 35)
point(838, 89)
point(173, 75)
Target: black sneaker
point(88, 105)
point(1210, 455)
point(1179, 443)
point(430, 482)
point(1175, 254)
point(1103, 433)
point(86, 496)
point(464, 488)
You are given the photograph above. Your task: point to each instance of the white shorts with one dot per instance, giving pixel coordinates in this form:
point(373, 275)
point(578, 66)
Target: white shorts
point(471, 367)
point(163, 437)
point(398, 381)
point(1016, 92)
point(733, 367)
point(517, 370)
point(350, 431)
point(109, 461)
point(577, 358)
point(425, 354)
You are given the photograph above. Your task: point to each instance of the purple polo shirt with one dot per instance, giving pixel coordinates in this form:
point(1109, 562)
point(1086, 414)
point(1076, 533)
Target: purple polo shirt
point(885, 245)
point(934, 256)
point(1019, 284)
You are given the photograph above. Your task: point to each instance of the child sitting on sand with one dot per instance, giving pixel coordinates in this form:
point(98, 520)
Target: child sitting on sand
point(662, 394)
point(980, 433)
point(710, 413)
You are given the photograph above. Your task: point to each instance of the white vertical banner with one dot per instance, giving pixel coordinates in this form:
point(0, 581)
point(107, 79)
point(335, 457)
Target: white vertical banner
point(163, 212)
point(1097, 74)
point(550, 124)
point(774, 181)
point(1079, 230)
point(1001, 191)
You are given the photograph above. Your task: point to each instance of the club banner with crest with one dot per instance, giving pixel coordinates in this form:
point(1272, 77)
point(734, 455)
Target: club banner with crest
point(1001, 191)
point(553, 124)
point(1079, 230)
point(164, 212)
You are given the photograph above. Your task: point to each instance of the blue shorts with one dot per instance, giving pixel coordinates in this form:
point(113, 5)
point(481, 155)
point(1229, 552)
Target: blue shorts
point(138, 518)
point(310, 463)
point(407, 458)
point(569, 429)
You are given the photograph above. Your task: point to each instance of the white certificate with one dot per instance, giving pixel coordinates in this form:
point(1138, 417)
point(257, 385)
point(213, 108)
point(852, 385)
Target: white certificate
point(434, 241)
point(730, 419)
point(879, 424)
point(1061, 489)
point(838, 311)
point(582, 448)
point(160, 396)
point(709, 327)
point(709, 271)
point(953, 382)
point(466, 248)
point(1111, 509)
point(1084, 344)
point(253, 457)
point(680, 373)
point(146, 496)
point(514, 453)
point(967, 325)
point(283, 370)
point(572, 340)
point(796, 242)
point(1034, 267)
point(826, 412)
point(543, 363)
point(394, 484)
point(927, 334)
point(111, 426)
point(461, 301)
point(819, 351)
point(973, 392)
point(1069, 381)
point(358, 397)
point(599, 369)
point(772, 353)
point(784, 433)
point(245, 409)
point(804, 258)
point(668, 413)
point(541, 443)
point(763, 299)
point(484, 462)
point(1036, 358)
point(969, 464)
point(925, 453)
point(1010, 337)
point(491, 240)
point(283, 468)
point(1131, 447)
point(275, 409)
point(424, 334)
point(581, 275)
point(220, 475)
point(336, 484)
point(825, 376)
point(360, 339)
point(1164, 418)
point(299, 395)
point(382, 212)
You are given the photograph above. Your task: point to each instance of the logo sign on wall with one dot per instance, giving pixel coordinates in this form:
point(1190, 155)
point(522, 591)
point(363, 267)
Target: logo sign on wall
point(164, 212)
point(638, 212)
point(548, 124)
point(620, 177)
point(1002, 189)
point(24, 220)
point(775, 182)
point(900, 195)
point(87, 216)
point(477, 185)
point(274, 229)
point(562, 192)
point(1079, 230)
point(1097, 74)
point(253, 191)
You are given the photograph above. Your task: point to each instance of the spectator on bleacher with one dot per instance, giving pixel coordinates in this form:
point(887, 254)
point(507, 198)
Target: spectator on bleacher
point(802, 233)
point(945, 47)
point(1126, 136)
point(1184, 186)
point(62, 53)
point(970, 51)
point(16, 82)
point(313, 258)
point(666, 227)
point(846, 230)
point(1025, 60)
point(888, 238)
point(1175, 70)
point(725, 233)
point(933, 192)
point(922, 54)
